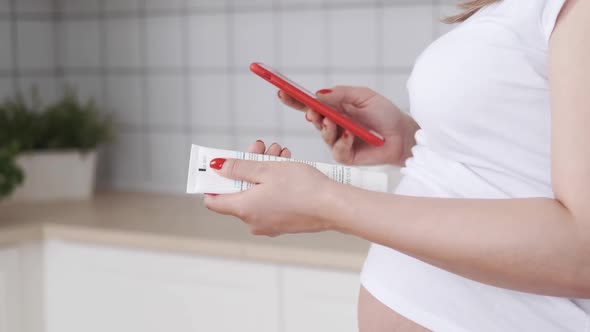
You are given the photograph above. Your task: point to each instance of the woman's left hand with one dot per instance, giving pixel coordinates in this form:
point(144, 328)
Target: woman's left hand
point(287, 198)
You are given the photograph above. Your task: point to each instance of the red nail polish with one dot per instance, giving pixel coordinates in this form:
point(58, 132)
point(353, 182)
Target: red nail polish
point(324, 91)
point(217, 163)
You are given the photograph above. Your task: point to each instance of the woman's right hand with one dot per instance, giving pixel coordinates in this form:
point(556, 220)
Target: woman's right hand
point(369, 109)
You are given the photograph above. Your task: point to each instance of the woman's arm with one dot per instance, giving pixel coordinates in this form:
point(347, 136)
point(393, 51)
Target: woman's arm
point(536, 245)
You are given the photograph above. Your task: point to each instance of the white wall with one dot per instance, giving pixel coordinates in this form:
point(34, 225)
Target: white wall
point(27, 47)
point(176, 72)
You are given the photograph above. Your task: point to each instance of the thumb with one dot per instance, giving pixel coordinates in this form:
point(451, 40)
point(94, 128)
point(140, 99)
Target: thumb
point(344, 94)
point(246, 170)
point(228, 204)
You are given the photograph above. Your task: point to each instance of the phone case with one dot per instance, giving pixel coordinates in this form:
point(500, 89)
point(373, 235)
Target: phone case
point(307, 98)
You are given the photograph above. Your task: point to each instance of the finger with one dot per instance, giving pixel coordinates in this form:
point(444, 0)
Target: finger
point(285, 153)
point(315, 118)
point(329, 131)
point(343, 94)
point(342, 150)
point(238, 169)
point(274, 149)
point(257, 147)
point(290, 101)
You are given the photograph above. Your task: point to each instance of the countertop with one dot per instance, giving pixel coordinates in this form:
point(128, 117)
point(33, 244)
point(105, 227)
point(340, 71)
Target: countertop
point(170, 223)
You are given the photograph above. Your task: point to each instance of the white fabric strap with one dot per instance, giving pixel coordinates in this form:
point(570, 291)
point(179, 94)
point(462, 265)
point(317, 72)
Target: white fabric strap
point(550, 15)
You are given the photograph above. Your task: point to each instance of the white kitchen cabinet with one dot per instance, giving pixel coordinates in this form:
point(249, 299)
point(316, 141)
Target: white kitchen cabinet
point(57, 286)
point(10, 291)
point(97, 289)
point(319, 300)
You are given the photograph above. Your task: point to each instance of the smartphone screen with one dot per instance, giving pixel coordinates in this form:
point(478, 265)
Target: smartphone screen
point(288, 80)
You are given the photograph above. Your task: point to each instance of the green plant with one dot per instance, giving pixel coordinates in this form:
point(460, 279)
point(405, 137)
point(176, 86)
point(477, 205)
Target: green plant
point(67, 124)
point(70, 123)
point(19, 121)
point(27, 125)
point(10, 174)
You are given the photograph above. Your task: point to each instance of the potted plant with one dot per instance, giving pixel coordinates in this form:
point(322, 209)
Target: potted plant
point(57, 144)
point(10, 174)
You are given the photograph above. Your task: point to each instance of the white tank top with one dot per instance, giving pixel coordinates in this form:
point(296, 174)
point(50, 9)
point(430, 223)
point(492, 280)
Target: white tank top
point(481, 96)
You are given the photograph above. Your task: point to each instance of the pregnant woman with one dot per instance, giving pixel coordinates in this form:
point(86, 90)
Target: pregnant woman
point(489, 229)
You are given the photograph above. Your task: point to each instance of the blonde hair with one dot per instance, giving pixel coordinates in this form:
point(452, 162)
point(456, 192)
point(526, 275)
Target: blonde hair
point(469, 8)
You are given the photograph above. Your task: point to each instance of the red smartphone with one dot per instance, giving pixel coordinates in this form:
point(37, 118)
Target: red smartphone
point(309, 99)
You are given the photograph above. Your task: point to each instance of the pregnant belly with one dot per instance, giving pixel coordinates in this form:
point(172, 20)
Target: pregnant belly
point(374, 316)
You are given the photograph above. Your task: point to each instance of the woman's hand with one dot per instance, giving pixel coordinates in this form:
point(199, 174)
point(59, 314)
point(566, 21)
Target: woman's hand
point(372, 111)
point(287, 197)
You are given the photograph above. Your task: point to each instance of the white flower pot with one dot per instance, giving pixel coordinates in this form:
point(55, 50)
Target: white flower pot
point(54, 175)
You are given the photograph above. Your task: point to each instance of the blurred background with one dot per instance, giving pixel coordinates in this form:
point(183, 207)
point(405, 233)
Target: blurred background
point(138, 254)
point(176, 72)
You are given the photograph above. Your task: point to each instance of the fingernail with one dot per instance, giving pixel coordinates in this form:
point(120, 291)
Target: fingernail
point(344, 134)
point(217, 163)
point(307, 118)
point(259, 141)
point(279, 94)
point(324, 91)
point(211, 194)
point(282, 150)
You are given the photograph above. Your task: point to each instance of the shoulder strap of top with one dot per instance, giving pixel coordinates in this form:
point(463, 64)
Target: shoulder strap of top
point(549, 16)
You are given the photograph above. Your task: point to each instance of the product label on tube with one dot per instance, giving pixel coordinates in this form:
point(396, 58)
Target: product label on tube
point(203, 179)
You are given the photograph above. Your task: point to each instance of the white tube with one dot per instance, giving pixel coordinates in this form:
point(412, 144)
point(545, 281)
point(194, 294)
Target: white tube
point(202, 179)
